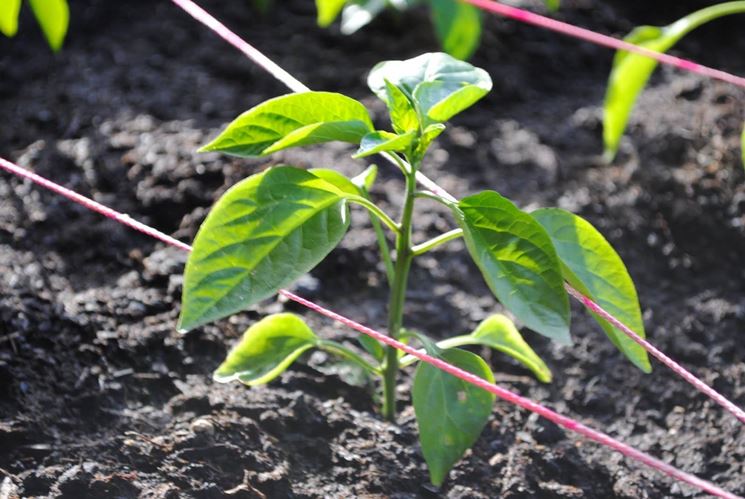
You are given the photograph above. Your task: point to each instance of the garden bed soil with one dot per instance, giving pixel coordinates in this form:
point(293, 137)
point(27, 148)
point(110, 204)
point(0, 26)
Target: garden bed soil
point(101, 397)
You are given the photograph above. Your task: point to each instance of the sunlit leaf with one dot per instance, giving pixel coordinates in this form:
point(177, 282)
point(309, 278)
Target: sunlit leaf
point(499, 332)
point(631, 72)
point(439, 84)
point(264, 233)
point(9, 10)
point(403, 114)
point(359, 13)
point(450, 413)
point(294, 120)
point(366, 179)
point(458, 27)
point(338, 180)
point(592, 266)
point(518, 262)
point(53, 17)
point(266, 350)
point(379, 141)
point(328, 10)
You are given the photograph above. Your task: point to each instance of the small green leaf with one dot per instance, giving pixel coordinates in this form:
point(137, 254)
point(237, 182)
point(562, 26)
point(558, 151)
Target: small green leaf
point(439, 84)
point(359, 13)
point(518, 262)
point(428, 136)
point(264, 233)
point(372, 346)
point(53, 17)
point(266, 349)
point(328, 11)
point(592, 266)
point(403, 114)
point(262, 6)
point(366, 179)
point(379, 141)
point(294, 120)
point(458, 27)
point(553, 5)
point(450, 413)
point(631, 72)
point(499, 333)
point(9, 10)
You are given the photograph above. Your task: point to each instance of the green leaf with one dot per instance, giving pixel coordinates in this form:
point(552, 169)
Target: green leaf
point(592, 266)
point(450, 413)
point(372, 346)
point(366, 179)
point(439, 84)
point(379, 141)
point(328, 11)
point(458, 27)
point(53, 17)
point(403, 114)
point(264, 233)
point(499, 332)
point(518, 262)
point(9, 10)
point(294, 120)
point(428, 136)
point(553, 5)
point(266, 350)
point(359, 13)
point(631, 72)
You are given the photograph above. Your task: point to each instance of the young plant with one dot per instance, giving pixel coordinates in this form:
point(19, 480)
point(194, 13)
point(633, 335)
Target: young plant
point(457, 24)
point(276, 225)
point(53, 17)
point(631, 72)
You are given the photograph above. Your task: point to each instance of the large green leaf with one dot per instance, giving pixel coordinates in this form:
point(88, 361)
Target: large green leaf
point(439, 84)
point(518, 261)
point(266, 349)
point(328, 10)
point(264, 233)
point(380, 141)
point(592, 266)
point(450, 413)
point(499, 332)
point(9, 10)
point(294, 120)
point(53, 17)
point(458, 27)
point(631, 72)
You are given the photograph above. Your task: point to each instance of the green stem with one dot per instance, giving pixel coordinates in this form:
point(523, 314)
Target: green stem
point(373, 209)
point(426, 246)
point(404, 256)
point(342, 351)
point(705, 15)
point(454, 342)
point(385, 250)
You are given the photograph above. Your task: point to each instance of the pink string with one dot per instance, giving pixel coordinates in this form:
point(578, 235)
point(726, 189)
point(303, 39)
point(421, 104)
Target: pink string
point(528, 17)
point(505, 394)
point(677, 368)
point(523, 402)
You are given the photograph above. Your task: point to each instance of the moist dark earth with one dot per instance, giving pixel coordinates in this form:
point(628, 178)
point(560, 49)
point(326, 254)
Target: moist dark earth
point(101, 397)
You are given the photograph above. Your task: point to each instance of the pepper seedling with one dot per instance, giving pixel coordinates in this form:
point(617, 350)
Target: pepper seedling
point(274, 226)
point(631, 72)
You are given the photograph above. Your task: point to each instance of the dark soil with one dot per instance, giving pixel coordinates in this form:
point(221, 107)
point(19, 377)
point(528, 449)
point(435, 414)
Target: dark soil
point(100, 397)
